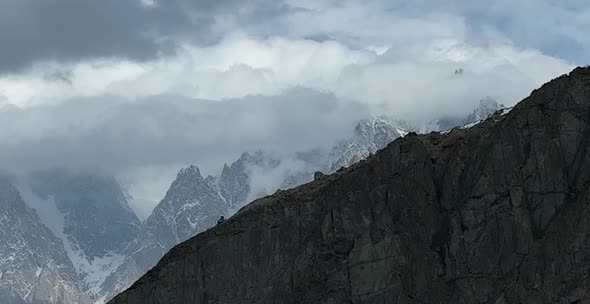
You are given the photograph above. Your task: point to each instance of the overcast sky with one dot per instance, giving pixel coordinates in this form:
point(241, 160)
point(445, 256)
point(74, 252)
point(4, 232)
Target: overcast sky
point(139, 88)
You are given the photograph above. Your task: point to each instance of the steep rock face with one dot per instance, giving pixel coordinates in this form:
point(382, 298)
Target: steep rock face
point(496, 213)
point(34, 266)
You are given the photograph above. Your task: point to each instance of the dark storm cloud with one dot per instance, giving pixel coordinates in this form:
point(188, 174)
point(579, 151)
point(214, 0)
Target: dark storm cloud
point(72, 30)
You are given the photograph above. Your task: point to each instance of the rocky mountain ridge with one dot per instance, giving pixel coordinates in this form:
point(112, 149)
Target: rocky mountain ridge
point(494, 213)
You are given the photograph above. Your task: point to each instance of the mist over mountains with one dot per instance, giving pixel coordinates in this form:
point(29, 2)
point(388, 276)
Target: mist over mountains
point(129, 126)
point(490, 212)
point(100, 245)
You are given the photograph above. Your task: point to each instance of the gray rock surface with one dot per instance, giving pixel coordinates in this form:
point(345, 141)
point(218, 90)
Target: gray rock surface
point(495, 213)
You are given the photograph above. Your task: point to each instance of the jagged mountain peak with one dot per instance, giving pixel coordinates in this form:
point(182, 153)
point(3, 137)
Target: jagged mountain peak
point(190, 172)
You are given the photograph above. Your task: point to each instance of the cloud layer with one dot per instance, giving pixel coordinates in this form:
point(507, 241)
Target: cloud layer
point(139, 88)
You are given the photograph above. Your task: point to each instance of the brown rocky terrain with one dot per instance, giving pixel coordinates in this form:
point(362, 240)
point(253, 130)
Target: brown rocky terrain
point(496, 213)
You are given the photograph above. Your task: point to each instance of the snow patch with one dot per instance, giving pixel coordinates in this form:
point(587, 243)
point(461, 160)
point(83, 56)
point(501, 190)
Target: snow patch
point(401, 132)
point(473, 124)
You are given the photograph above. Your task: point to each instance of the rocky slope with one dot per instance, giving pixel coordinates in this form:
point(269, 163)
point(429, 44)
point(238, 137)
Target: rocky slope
point(495, 213)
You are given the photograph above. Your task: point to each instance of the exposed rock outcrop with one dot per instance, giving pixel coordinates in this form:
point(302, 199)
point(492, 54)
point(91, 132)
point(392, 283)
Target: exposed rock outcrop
point(497, 213)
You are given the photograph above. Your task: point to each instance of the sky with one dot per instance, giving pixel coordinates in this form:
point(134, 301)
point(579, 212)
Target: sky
point(140, 88)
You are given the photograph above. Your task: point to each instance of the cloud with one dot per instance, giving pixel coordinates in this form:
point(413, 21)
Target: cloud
point(114, 134)
point(141, 88)
point(70, 31)
point(400, 80)
point(246, 93)
point(235, 67)
point(266, 180)
point(145, 142)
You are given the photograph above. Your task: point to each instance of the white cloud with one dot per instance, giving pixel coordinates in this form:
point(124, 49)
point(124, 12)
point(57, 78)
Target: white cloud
point(203, 103)
point(403, 80)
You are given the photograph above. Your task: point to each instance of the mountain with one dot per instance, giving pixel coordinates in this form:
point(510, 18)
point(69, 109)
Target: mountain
point(375, 133)
point(486, 107)
point(369, 136)
point(235, 179)
point(194, 204)
point(191, 205)
point(96, 222)
point(34, 265)
point(97, 219)
point(108, 248)
point(63, 234)
point(494, 213)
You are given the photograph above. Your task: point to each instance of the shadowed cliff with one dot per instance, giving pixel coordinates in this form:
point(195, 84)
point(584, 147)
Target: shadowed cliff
point(497, 213)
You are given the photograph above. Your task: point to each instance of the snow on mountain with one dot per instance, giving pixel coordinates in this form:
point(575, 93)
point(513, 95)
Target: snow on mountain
point(34, 264)
point(369, 136)
point(89, 217)
point(97, 219)
point(487, 106)
point(104, 248)
point(192, 204)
